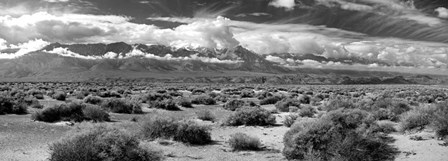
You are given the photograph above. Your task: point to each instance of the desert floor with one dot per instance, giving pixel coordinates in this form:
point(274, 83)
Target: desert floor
point(22, 139)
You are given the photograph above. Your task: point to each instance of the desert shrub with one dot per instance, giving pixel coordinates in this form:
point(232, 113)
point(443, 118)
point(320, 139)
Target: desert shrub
point(304, 99)
point(417, 118)
point(241, 141)
point(101, 143)
point(60, 96)
point(192, 133)
point(251, 116)
point(247, 93)
point(167, 104)
point(95, 100)
point(159, 127)
point(20, 108)
point(233, 104)
point(184, 102)
point(109, 94)
point(389, 109)
point(290, 119)
point(270, 100)
point(204, 99)
point(50, 114)
point(155, 97)
point(36, 105)
point(11, 106)
point(39, 96)
point(6, 105)
point(65, 112)
point(205, 115)
point(169, 128)
point(307, 111)
point(385, 126)
point(118, 105)
point(95, 113)
point(339, 135)
point(338, 103)
point(440, 119)
point(283, 105)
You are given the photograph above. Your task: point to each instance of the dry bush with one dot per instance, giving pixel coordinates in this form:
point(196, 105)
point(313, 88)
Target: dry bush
point(95, 100)
point(283, 105)
point(270, 100)
point(233, 104)
point(251, 116)
point(118, 105)
point(204, 99)
point(169, 128)
point(59, 95)
point(167, 104)
point(102, 143)
point(340, 135)
point(205, 115)
point(290, 119)
point(417, 118)
point(241, 141)
point(184, 102)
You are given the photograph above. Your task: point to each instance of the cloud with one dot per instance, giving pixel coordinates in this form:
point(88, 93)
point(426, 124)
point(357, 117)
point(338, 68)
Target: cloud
point(84, 28)
point(287, 4)
point(442, 12)
point(24, 48)
point(55, 1)
point(138, 53)
point(3, 44)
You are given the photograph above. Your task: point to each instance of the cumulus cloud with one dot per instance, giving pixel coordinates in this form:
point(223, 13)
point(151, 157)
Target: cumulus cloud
point(442, 12)
point(24, 48)
point(135, 52)
point(81, 28)
point(287, 4)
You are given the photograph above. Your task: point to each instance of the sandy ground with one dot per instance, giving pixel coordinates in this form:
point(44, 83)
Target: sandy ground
point(24, 140)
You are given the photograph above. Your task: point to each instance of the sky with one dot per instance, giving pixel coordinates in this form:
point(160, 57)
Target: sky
point(391, 35)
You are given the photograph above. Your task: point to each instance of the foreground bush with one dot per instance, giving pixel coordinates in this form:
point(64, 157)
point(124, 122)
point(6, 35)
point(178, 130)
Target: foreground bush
point(338, 135)
point(241, 141)
point(251, 116)
point(101, 143)
point(168, 128)
point(234, 104)
point(118, 105)
point(440, 119)
point(417, 118)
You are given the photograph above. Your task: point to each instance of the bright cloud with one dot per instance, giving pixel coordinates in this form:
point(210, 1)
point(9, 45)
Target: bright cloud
point(288, 4)
point(25, 48)
point(135, 52)
point(55, 1)
point(442, 12)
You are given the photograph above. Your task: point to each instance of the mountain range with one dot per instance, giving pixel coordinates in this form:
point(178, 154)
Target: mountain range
point(79, 62)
